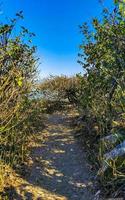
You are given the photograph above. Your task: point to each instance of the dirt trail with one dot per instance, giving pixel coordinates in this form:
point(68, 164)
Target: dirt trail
point(58, 168)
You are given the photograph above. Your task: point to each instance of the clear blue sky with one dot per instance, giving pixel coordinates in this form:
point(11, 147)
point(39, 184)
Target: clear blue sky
point(55, 23)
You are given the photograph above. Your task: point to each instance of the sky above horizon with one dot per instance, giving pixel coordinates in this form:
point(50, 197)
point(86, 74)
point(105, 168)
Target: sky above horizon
point(56, 25)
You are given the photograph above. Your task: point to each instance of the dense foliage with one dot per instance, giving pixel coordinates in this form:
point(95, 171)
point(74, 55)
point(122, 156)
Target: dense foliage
point(58, 91)
point(60, 87)
point(17, 75)
point(103, 99)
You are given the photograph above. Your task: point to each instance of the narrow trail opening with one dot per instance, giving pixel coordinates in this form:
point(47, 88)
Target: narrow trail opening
point(59, 170)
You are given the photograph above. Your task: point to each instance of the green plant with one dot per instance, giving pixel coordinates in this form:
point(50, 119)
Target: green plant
point(17, 73)
point(103, 86)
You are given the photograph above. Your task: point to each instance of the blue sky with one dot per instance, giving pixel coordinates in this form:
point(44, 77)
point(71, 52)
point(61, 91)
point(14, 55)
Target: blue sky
point(55, 23)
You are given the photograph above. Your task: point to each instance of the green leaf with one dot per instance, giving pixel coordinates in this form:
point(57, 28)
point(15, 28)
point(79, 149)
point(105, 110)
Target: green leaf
point(116, 1)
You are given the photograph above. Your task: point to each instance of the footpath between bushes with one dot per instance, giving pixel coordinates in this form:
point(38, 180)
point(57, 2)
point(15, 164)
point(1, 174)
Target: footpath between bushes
point(57, 168)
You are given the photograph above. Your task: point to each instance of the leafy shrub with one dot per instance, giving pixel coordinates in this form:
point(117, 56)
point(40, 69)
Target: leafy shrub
point(103, 86)
point(17, 73)
point(59, 92)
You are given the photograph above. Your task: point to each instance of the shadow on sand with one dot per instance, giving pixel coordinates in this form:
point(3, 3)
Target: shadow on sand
point(58, 164)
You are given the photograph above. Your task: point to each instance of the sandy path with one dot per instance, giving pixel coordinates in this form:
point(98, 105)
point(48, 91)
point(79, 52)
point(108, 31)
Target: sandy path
point(58, 169)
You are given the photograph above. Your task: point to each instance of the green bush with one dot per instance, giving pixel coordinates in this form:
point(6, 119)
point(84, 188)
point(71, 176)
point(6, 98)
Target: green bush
point(17, 74)
point(102, 98)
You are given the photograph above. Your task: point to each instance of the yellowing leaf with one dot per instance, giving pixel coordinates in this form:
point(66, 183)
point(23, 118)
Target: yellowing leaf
point(19, 81)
